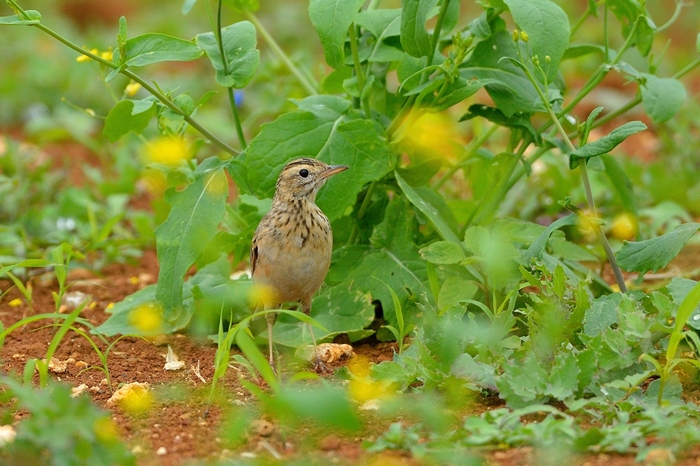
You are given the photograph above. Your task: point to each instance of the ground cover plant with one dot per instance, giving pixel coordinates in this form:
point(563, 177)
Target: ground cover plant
point(491, 236)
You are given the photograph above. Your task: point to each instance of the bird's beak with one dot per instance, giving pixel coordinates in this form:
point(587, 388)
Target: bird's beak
point(332, 170)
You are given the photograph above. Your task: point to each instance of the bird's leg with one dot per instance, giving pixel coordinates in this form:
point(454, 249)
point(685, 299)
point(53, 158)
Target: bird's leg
point(315, 360)
point(270, 318)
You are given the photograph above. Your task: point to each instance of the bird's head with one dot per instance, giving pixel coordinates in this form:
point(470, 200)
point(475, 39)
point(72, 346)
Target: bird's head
point(302, 178)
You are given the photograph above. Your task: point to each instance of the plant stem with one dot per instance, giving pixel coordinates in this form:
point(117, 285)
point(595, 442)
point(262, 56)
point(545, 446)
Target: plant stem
point(126, 72)
point(363, 209)
point(584, 176)
point(303, 80)
point(229, 90)
point(358, 70)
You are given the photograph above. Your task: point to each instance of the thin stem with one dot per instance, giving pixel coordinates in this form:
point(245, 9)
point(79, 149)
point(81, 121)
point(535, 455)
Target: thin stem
point(303, 80)
point(229, 90)
point(358, 70)
point(361, 213)
point(160, 96)
point(674, 17)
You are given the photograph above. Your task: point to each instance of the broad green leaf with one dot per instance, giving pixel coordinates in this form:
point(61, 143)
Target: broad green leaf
point(456, 290)
point(630, 11)
point(606, 143)
point(323, 127)
point(620, 182)
point(33, 17)
point(239, 41)
point(662, 97)
point(602, 314)
point(655, 253)
point(392, 258)
point(336, 308)
point(443, 252)
point(547, 26)
point(415, 39)
point(154, 48)
point(513, 92)
point(428, 209)
point(455, 92)
point(332, 18)
point(128, 115)
point(381, 23)
point(196, 212)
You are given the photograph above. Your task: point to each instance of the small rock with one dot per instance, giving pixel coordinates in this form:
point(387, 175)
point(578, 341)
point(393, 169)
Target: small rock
point(172, 362)
point(330, 443)
point(81, 364)
point(137, 450)
point(162, 451)
point(73, 299)
point(262, 427)
point(18, 356)
point(330, 352)
point(7, 435)
point(128, 391)
point(95, 389)
point(57, 366)
point(659, 457)
point(79, 390)
point(369, 405)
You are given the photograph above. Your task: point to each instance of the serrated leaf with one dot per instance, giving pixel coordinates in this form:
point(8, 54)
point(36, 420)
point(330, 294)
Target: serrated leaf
point(606, 143)
point(662, 97)
point(239, 43)
point(602, 314)
point(154, 48)
point(128, 115)
point(332, 18)
point(32, 17)
point(195, 213)
point(415, 39)
point(547, 26)
point(655, 253)
point(323, 127)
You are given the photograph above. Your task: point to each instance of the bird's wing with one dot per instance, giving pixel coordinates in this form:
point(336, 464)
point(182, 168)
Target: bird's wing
point(253, 256)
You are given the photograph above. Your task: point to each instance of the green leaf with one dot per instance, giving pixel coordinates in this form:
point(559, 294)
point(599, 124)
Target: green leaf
point(195, 214)
point(242, 58)
point(336, 308)
point(655, 253)
point(128, 115)
point(381, 23)
point(494, 115)
point(662, 97)
point(606, 143)
point(538, 246)
point(455, 290)
point(496, 254)
point(32, 17)
point(325, 405)
point(326, 128)
point(602, 314)
point(154, 48)
point(443, 252)
point(392, 257)
point(428, 209)
point(414, 37)
point(513, 92)
point(547, 26)
point(332, 18)
point(630, 11)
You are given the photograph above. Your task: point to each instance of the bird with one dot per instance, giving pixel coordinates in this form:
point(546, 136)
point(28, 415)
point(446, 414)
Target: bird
point(291, 249)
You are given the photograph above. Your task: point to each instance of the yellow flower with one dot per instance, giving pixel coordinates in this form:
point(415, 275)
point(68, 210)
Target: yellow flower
point(147, 318)
point(105, 430)
point(132, 88)
point(16, 302)
point(167, 150)
point(434, 134)
point(624, 226)
point(155, 181)
point(361, 387)
point(106, 55)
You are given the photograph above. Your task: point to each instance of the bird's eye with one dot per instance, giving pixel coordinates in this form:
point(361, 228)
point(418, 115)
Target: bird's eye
point(303, 172)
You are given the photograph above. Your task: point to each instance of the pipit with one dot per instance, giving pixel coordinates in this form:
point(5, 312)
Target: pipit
point(292, 246)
